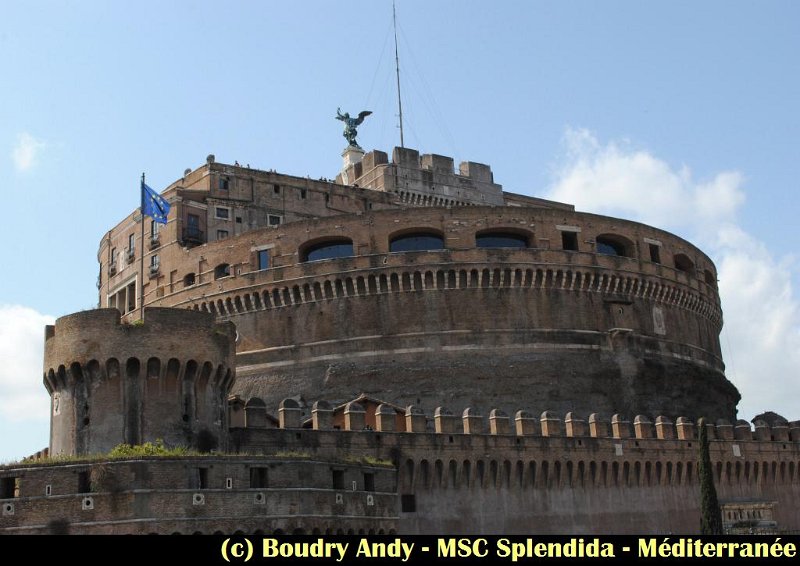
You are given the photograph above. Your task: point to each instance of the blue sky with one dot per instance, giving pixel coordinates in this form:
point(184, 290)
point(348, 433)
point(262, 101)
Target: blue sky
point(681, 114)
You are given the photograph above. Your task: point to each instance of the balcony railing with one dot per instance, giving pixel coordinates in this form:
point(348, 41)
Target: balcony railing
point(193, 236)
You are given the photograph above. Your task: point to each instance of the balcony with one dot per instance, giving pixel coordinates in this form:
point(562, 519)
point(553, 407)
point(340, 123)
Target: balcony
point(154, 271)
point(130, 255)
point(193, 236)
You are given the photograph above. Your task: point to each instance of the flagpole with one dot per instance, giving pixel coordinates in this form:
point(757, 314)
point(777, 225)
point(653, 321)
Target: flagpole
point(141, 252)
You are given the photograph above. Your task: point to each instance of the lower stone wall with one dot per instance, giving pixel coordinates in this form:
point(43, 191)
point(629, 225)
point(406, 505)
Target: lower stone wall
point(224, 494)
point(368, 481)
point(497, 484)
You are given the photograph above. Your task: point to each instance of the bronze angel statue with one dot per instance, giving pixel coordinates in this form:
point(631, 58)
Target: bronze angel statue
point(350, 124)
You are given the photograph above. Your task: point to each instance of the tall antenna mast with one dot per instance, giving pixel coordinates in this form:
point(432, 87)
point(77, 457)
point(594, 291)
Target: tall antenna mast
point(397, 69)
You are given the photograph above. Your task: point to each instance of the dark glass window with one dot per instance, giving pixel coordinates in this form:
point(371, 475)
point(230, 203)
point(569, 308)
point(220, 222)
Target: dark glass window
point(338, 479)
point(222, 234)
point(408, 503)
point(683, 263)
point(611, 246)
point(223, 183)
point(569, 241)
point(329, 250)
point(223, 213)
point(655, 253)
point(84, 482)
point(369, 482)
point(273, 220)
point(501, 240)
point(258, 478)
point(263, 259)
point(607, 249)
point(416, 242)
point(202, 478)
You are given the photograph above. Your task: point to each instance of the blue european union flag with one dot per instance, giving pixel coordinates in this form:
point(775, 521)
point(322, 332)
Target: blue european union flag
point(154, 205)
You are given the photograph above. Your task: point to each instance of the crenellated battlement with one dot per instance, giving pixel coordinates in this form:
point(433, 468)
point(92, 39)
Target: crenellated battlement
point(353, 416)
point(424, 180)
point(100, 335)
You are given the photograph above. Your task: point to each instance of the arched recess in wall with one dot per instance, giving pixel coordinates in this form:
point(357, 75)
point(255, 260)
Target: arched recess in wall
point(683, 263)
point(189, 280)
point(503, 238)
point(326, 248)
point(614, 244)
point(416, 239)
point(222, 270)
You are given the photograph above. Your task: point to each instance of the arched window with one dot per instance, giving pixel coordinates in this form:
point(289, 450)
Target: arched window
point(613, 244)
point(222, 270)
point(683, 263)
point(500, 239)
point(328, 249)
point(189, 280)
point(711, 280)
point(416, 241)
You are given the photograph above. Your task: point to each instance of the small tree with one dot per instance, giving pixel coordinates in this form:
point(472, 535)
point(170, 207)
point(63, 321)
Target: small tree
point(711, 516)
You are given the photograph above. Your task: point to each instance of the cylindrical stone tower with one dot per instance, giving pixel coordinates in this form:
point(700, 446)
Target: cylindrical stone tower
point(112, 383)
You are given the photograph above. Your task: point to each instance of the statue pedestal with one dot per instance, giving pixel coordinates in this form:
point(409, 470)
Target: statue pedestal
point(350, 156)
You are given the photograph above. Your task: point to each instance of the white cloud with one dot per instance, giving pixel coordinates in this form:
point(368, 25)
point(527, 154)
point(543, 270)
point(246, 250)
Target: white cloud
point(22, 394)
point(26, 151)
point(761, 337)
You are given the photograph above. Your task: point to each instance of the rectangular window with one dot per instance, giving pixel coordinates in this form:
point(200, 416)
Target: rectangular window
point(113, 256)
point(154, 262)
point(263, 259)
point(569, 241)
point(303, 193)
point(131, 297)
point(258, 478)
point(131, 243)
point(273, 220)
point(223, 183)
point(276, 189)
point(222, 212)
point(369, 482)
point(9, 488)
point(202, 478)
point(238, 219)
point(153, 228)
point(655, 253)
point(222, 234)
point(408, 503)
point(338, 479)
point(84, 482)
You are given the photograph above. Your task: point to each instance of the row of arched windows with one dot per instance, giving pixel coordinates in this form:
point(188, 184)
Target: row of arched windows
point(430, 240)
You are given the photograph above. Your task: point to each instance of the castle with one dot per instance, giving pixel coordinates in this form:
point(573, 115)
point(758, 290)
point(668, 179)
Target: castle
point(407, 348)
